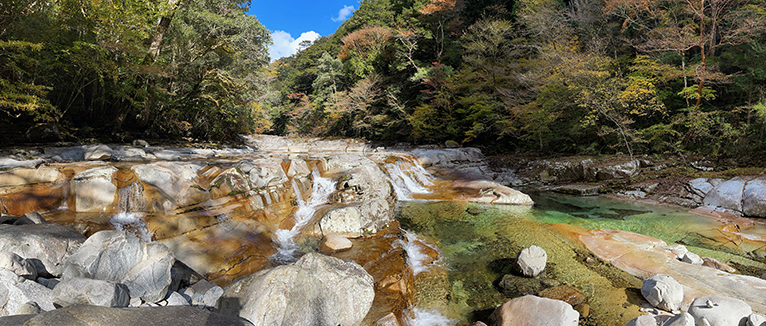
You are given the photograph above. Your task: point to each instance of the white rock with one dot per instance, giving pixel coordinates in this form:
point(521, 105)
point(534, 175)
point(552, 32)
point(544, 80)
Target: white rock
point(756, 320)
point(683, 319)
point(678, 249)
point(17, 265)
point(645, 320)
point(97, 153)
point(121, 257)
point(335, 243)
point(663, 292)
point(46, 246)
point(532, 310)
point(725, 311)
point(531, 261)
point(93, 189)
point(315, 290)
point(15, 291)
point(692, 258)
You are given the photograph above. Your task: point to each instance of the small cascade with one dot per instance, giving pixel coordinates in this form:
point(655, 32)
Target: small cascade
point(407, 178)
point(320, 190)
point(130, 207)
point(416, 258)
point(430, 317)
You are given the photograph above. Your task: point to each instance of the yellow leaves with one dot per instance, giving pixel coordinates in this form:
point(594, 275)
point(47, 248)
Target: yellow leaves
point(436, 6)
point(640, 98)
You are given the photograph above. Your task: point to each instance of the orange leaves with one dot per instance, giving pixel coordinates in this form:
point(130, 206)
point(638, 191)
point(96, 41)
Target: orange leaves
point(365, 41)
point(436, 6)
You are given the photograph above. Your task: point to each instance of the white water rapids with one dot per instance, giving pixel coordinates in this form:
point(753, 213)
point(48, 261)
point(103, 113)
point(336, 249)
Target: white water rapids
point(408, 178)
point(284, 239)
point(129, 217)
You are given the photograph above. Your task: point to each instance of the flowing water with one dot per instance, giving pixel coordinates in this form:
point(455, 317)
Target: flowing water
point(130, 208)
point(283, 238)
point(408, 178)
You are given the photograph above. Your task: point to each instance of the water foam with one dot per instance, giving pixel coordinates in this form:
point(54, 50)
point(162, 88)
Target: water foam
point(415, 256)
point(431, 317)
point(284, 239)
point(131, 222)
point(129, 206)
point(407, 178)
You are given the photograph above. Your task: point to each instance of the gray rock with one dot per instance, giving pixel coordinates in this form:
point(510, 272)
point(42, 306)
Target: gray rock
point(701, 186)
point(46, 246)
point(78, 290)
point(531, 261)
point(664, 292)
point(756, 320)
point(85, 315)
point(129, 154)
point(692, 258)
point(532, 310)
point(683, 319)
point(121, 257)
point(97, 153)
point(712, 262)
point(16, 291)
point(17, 265)
point(176, 299)
point(30, 218)
point(645, 320)
point(29, 308)
point(316, 290)
point(754, 201)
point(725, 311)
point(728, 194)
point(174, 181)
point(48, 282)
point(140, 143)
point(93, 189)
point(205, 293)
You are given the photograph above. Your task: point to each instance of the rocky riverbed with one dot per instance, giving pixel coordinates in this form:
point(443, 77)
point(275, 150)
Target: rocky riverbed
point(291, 232)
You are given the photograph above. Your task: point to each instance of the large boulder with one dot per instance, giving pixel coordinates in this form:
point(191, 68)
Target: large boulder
point(530, 310)
point(172, 184)
point(531, 261)
point(93, 189)
point(754, 201)
point(490, 192)
point(16, 291)
point(121, 257)
point(315, 290)
point(365, 204)
point(720, 311)
point(727, 194)
point(683, 319)
point(46, 246)
point(664, 292)
point(86, 315)
point(78, 290)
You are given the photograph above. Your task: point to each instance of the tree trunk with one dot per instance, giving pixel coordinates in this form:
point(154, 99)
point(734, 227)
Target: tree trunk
point(162, 29)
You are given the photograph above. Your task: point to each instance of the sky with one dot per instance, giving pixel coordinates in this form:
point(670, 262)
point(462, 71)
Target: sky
point(293, 21)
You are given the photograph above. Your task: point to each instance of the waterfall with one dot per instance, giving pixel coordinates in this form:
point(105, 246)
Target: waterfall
point(408, 178)
point(130, 206)
point(320, 190)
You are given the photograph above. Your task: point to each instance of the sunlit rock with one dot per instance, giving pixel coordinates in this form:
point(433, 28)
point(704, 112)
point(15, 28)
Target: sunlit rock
point(532, 310)
point(728, 194)
point(93, 189)
point(121, 257)
point(17, 265)
point(682, 319)
point(754, 200)
point(720, 311)
point(314, 290)
point(490, 192)
point(24, 176)
point(146, 316)
point(645, 320)
point(97, 153)
point(175, 184)
point(15, 291)
point(531, 261)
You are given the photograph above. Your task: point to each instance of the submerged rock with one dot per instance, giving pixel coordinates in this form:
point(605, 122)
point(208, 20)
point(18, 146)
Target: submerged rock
point(720, 311)
point(531, 261)
point(317, 290)
point(532, 310)
point(663, 292)
point(121, 257)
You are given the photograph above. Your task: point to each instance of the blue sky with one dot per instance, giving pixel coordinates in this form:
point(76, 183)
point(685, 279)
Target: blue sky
point(293, 21)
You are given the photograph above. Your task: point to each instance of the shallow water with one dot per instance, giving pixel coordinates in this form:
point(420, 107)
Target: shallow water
point(479, 243)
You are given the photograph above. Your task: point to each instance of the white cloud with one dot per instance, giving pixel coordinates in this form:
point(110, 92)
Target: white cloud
point(285, 45)
point(344, 13)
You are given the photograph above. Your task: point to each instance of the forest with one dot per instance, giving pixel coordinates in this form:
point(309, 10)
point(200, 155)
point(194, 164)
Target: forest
point(541, 77)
